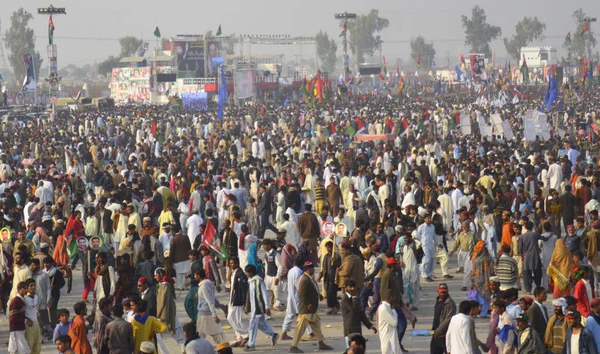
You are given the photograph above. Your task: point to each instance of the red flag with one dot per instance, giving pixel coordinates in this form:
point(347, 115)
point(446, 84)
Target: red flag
point(380, 76)
point(319, 86)
point(457, 118)
point(462, 58)
point(389, 123)
point(426, 115)
point(209, 233)
point(419, 61)
point(153, 128)
point(333, 130)
point(359, 123)
point(404, 123)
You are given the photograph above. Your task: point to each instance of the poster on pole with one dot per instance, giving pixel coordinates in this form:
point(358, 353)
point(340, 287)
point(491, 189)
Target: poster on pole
point(244, 87)
point(29, 82)
point(507, 130)
point(465, 124)
point(478, 66)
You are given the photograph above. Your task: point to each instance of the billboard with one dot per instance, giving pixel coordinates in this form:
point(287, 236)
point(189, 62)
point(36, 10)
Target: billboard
point(212, 51)
point(190, 58)
point(131, 84)
point(29, 82)
point(243, 85)
point(478, 66)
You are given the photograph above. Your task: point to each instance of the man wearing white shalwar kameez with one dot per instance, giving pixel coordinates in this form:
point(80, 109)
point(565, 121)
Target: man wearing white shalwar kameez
point(410, 272)
point(291, 309)
point(387, 326)
point(446, 204)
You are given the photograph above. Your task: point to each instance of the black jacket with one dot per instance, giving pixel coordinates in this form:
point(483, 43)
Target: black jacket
point(150, 297)
point(239, 283)
point(353, 316)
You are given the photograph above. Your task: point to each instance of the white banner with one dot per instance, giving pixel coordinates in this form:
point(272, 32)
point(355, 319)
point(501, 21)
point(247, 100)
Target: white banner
point(244, 87)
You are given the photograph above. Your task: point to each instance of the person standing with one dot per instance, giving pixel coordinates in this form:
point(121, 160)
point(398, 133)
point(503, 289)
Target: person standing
point(208, 321)
point(352, 314)
point(309, 297)
point(426, 235)
point(119, 333)
point(291, 309)
point(582, 291)
point(32, 330)
point(273, 273)
point(410, 271)
point(593, 321)
point(237, 299)
point(18, 321)
point(21, 273)
point(105, 278)
point(537, 313)
point(257, 306)
point(554, 337)
point(507, 269)
point(329, 267)
point(578, 339)
point(166, 309)
point(148, 294)
point(179, 253)
point(78, 330)
point(529, 250)
point(103, 318)
point(458, 337)
point(144, 326)
point(44, 293)
point(310, 230)
point(265, 201)
point(387, 321)
point(443, 311)
point(530, 341)
point(352, 268)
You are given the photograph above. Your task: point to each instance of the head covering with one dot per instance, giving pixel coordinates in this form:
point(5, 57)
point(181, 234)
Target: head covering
point(495, 279)
point(147, 347)
point(527, 300)
point(442, 288)
point(222, 346)
point(560, 302)
point(522, 317)
point(307, 265)
point(391, 261)
point(560, 265)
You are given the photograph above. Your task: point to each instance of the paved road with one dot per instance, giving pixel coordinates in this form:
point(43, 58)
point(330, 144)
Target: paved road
point(332, 325)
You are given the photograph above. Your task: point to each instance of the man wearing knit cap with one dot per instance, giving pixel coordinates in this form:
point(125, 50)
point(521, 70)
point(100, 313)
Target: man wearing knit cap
point(577, 335)
point(530, 341)
point(554, 337)
point(443, 311)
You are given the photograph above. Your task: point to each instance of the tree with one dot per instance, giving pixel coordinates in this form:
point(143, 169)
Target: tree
point(106, 66)
point(582, 40)
point(479, 33)
point(20, 39)
point(418, 48)
point(129, 46)
point(326, 50)
point(526, 31)
point(363, 39)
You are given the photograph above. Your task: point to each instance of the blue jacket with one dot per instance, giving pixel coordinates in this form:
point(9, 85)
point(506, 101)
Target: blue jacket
point(587, 344)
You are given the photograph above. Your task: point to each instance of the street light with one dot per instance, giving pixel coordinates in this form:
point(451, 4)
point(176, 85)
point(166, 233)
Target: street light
point(345, 16)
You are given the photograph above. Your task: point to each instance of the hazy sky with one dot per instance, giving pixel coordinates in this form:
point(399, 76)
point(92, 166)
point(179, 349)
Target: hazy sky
point(103, 22)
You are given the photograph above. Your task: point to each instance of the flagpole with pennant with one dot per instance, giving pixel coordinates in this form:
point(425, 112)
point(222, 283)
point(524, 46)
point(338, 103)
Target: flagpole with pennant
point(158, 36)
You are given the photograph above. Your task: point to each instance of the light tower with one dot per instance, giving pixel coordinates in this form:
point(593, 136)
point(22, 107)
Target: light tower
point(345, 16)
point(53, 78)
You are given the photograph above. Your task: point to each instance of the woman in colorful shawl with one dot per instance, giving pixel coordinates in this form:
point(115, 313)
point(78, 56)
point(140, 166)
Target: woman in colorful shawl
point(191, 301)
point(560, 268)
point(482, 270)
point(254, 260)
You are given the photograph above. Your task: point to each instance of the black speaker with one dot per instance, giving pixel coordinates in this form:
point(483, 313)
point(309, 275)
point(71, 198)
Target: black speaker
point(166, 77)
point(369, 70)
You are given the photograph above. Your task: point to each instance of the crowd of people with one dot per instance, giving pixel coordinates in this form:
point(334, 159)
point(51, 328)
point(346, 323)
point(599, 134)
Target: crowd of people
point(280, 208)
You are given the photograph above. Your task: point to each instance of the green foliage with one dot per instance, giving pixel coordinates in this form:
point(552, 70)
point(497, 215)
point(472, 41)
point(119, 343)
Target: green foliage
point(106, 66)
point(20, 39)
point(418, 47)
point(326, 50)
point(479, 33)
point(577, 46)
point(364, 40)
point(527, 30)
point(129, 46)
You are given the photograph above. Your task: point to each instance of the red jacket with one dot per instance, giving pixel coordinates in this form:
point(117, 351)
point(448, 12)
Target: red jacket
point(583, 303)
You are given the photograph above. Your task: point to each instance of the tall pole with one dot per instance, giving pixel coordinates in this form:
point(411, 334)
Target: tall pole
point(345, 16)
point(53, 78)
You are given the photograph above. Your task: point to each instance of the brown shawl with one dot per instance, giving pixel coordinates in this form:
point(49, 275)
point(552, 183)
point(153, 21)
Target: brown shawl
point(560, 265)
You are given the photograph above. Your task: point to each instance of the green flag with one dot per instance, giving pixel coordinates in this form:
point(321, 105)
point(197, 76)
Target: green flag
point(219, 31)
point(156, 32)
point(342, 34)
point(72, 248)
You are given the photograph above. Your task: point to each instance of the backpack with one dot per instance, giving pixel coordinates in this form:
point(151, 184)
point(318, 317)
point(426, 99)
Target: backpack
point(419, 253)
